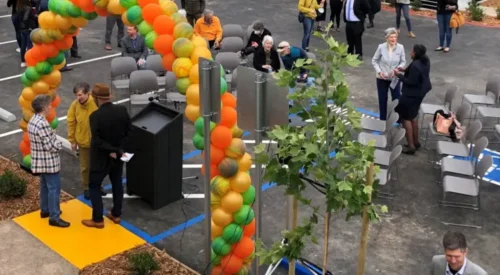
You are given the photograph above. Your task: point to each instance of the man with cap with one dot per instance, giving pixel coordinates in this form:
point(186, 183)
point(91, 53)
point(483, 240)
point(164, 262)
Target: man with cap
point(289, 55)
point(110, 127)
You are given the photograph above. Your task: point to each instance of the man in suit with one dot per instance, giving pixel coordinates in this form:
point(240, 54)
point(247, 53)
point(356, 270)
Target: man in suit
point(110, 128)
point(134, 45)
point(355, 12)
point(454, 261)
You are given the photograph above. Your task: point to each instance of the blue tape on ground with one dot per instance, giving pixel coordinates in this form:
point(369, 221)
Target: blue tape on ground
point(299, 269)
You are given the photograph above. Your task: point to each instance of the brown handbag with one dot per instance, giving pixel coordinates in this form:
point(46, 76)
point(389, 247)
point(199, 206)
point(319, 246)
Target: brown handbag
point(443, 124)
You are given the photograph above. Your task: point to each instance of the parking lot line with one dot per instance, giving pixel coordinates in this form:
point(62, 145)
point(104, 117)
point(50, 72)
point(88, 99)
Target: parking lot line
point(8, 42)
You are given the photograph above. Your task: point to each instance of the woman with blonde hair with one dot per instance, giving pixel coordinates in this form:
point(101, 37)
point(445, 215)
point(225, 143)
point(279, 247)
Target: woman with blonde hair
point(389, 56)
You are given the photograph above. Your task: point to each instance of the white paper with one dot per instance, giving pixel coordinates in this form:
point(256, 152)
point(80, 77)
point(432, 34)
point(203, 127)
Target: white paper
point(395, 82)
point(126, 157)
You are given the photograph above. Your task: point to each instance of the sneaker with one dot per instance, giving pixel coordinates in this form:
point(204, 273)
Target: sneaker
point(108, 47)
point(59, 223)
point(18, 50)
point(23, 64)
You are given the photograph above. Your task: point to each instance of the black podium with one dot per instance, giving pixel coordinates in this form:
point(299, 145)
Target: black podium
point(155, 171)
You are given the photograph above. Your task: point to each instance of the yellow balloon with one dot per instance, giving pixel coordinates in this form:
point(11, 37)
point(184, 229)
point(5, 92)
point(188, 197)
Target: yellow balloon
point(23, 125)
point(245, 162)
point(241, 182)
point(168, 6)
point(40, 87)
point(60, 66)
point(193, 94)
point(46, 20)
point(62, 23)
point(199, 41)
point(214, 200)
point(216, 230)
point(221, 218)
point(79, 22)
point(28, 94)
point(52, 93)
point(181, 67)
point(194, 77)
point(200, 51)
point(114, 7)
point(125, 20)
point(27, 114)
point(192, 112)
point(53, 79)
point(54, 34)
point(232, 202)
point(24, 103)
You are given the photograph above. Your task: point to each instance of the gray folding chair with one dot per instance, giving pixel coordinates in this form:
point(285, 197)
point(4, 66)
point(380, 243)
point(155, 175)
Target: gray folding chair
point(121, 68)
point(376, 125)
point(461, 167)
point(382, 156)
point(234, 81)
point(311, 55)
point(430, 109)
point(384, 175)
point(232, 30)
point(229, 61)
point(459, 149)
point(231, 44)
point(381, 141)
point(492, 86)
point(461, 115)
point(143, 87)
point(154, 63)
point(249, 32)
point(171, 93)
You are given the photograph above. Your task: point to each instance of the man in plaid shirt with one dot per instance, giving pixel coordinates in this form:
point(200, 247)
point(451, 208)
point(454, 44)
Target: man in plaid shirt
point(45, 160)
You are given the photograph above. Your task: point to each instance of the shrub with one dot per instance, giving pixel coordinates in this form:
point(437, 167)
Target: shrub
point(416, 5)
point(476, 12)
point(143, 263)
point(498, 13)
point(11, 185)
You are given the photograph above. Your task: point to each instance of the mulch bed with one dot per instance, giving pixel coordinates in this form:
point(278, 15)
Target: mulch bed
point(491, 3)
point(119, 264)
point(12, 208)
point(488, 21)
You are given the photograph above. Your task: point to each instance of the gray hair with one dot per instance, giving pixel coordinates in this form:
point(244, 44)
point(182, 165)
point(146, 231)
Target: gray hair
point(40, 102)
point(266, 39)
point(390, 31)
point(258, 25)
point(83, 87)
point(208, 12)
point(454, 240)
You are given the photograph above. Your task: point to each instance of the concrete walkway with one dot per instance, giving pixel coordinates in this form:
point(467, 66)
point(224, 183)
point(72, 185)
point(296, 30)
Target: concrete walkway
point(489, 11)
point(23, 254)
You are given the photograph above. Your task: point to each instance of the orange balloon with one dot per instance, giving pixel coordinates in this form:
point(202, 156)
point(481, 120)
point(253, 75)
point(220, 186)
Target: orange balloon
point(55, 103)
point(24, 148)
point(163, 24)
point(192, 112)
point(216, 155)
point(221, 136)
point(101, 12)
point(194, 76)
point(213, 170)
point(62, 23)
point(30, 61)
point(231, 263)
point(200, 52)
point(244, 248)
point(46, 20)
point(216, 230)
point(53, 79)
point(28, 94)
point(23, 125)
point(163, 44)
point(217, 270)
point(27, 114)
point(51, 115)
point(221, 218)
point(193, 94)
point(144, 3)
point(40, 87)
point(37, 53)
point(168, 60)
point(49, 50)
point(86, 5)
point(228, 100)
point(150, 12)
point(249, 229)
point(24, 103)
point(65, 43)
point(232, 202)
point(79, 22)
point(228, 116)
point(26, 137)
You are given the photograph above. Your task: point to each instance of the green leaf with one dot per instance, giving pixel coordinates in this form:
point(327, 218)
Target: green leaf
point(368, 189)
point(344, 186)
point(384, 209)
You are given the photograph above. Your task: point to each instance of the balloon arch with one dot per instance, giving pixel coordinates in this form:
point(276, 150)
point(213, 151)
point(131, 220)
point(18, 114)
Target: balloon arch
point(168, 33)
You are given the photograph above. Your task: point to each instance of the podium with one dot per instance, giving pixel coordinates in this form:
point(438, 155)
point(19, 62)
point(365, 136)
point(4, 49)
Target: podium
point(155, 171)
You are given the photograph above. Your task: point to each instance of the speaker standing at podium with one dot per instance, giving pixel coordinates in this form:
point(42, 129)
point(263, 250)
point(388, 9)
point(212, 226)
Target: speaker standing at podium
point(110, 128)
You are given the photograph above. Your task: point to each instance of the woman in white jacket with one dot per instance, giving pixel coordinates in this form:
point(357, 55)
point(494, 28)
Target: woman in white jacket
point(388, 57)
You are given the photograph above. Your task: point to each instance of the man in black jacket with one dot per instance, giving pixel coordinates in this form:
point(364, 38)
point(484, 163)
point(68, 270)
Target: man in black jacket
point(110, 127)
point(194, 9)
point(355, 12)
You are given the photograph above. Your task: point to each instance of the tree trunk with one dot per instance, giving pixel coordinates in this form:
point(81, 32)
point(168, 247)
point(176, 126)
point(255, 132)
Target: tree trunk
point(325, 245)
point(365, 226)
point(292, 219)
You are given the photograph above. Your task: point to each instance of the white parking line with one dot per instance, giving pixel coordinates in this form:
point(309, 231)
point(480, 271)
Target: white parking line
point(5, 16)
point(8, 42)
point(195, 166)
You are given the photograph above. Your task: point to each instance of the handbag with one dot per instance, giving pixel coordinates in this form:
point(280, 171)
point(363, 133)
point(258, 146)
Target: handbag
point(442, 124)
point(302, 16)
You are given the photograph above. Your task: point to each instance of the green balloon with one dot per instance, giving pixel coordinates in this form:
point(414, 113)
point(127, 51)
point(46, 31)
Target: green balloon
point(232, 233)
point(244, 216)
point(249, 196)
point(150, 39)
point(53, 5)
point(54, 123)
point(27, 161)
point(89, 15)
point(25, 80)
point(73, 10)
point(223, 85)
point(62, 8)
point(134, 15)
point(144, 28)
point(182, 84)
point(214, 259)
point(198, 141)
point(198, 125)
point(222, 72)
point(44, 67)
point(220, 247)
point(127, 4)
point(31, 74)
point(58, 59)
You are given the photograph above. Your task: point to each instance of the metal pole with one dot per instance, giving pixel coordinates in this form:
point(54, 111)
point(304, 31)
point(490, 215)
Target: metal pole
point(259, 128)
point(207, 112)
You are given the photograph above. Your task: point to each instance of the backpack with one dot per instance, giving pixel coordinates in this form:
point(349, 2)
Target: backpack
point(457, 20)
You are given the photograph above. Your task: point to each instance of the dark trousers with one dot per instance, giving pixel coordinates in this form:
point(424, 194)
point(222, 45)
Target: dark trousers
point(371, 16)
point(74, 47)
point(335, 11)
point(111, 20)
point(354, 32)
point(383, 87)
point(193, 18)
point(25, 43)
point(114, 170)
point(15, 21)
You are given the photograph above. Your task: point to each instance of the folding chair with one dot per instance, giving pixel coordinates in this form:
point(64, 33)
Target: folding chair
point(231, 44)
point(232, 30)
point(376, 125)
point(384, 175)
point(461, 115)
point(229, 61)
point(464, 167)
point(143, 87)
point(382, 157)
point(381, 140)
point(171, 93)
point(122, 67)
point(492, 86)
point(154, 63)
point(459, 149)
point(430, 109)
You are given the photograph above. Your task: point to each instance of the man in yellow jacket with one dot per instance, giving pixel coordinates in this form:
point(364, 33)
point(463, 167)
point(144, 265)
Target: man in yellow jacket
point(79, 129)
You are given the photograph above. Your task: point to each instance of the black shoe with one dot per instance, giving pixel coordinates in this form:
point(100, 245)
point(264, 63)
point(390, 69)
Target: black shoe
point(119, 45)
point(370, 26)
point(76, 56)
point(59, 223)
point(418, 145)
point(66, 70)
point(86, 194)
point(44, 215)
point(408, 150)
point(360, 57)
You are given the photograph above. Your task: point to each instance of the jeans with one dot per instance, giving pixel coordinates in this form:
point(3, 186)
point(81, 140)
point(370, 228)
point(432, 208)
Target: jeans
point(444, 29)
point(25, 43)
point(66, 56)
point(406, 13)
point(114, 170)
point(383, 86)
point(50, 191)
point(308, 29)
point(15, 22)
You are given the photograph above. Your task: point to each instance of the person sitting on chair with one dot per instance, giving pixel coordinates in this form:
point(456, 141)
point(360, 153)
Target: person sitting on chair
point(133, 45)
point(209, 27)
point(291, 54)
point(266, 58)
point(255, 39)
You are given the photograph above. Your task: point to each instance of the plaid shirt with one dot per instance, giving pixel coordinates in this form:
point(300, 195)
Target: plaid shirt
point(44, 146)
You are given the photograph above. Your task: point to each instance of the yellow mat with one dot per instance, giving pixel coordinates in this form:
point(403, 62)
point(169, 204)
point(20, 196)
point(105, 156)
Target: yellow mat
point(78, 244)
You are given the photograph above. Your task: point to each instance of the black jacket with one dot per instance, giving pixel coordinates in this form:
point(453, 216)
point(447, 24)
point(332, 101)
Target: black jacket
point(375, 6)
point(27, 19)
point(416, 79)
point(259, 59)
point(193, 7)
point(110, 126)
point(13, 4)
point(257, 38)
point(441, 6)
point(361, 9)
